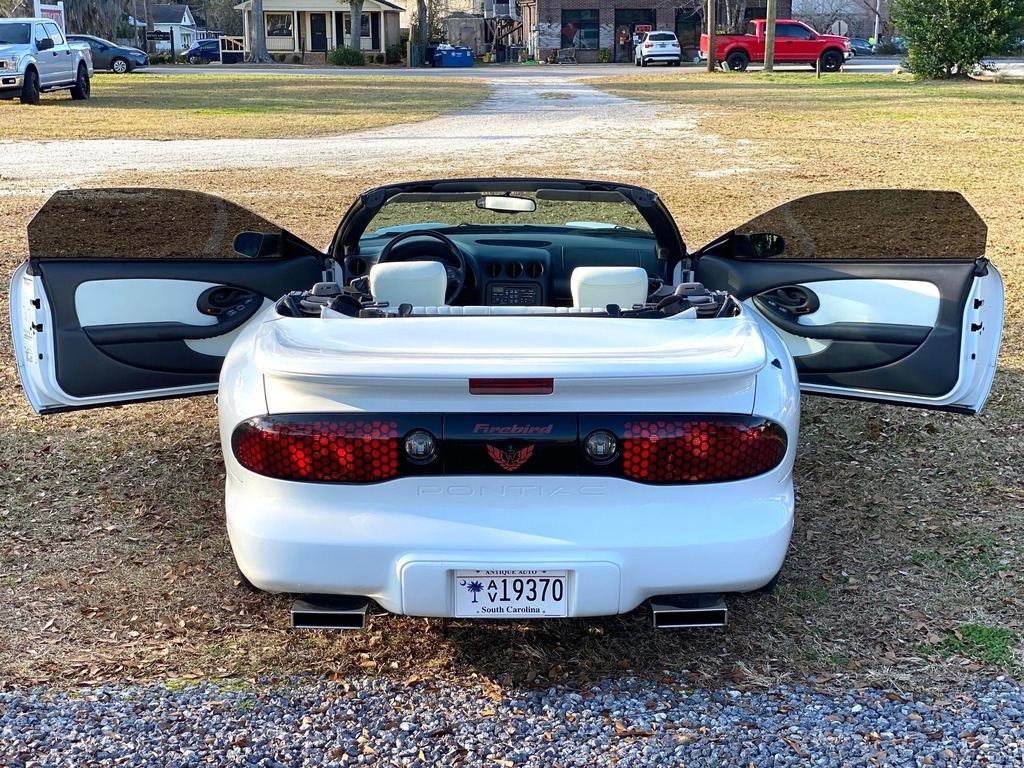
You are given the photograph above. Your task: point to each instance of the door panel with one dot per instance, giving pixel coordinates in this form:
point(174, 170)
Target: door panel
point(111, 309)
point(919, 321)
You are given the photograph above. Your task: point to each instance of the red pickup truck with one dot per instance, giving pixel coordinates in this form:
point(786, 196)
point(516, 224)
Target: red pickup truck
point(795, 43)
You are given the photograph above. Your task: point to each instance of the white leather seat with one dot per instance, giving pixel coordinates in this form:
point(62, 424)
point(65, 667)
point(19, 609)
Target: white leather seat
point(420, 283)
point(601, 286)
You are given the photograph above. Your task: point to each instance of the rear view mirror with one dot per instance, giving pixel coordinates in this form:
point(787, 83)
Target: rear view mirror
point(507, 203)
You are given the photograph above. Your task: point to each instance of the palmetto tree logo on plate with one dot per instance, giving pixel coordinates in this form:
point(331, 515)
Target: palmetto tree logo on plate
point(474, 587)
point(510, 459)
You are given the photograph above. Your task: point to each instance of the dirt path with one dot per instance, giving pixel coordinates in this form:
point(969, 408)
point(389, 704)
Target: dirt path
point(537, 124)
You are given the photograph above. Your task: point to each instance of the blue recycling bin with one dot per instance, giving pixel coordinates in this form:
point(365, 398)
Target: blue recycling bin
point(453, 57)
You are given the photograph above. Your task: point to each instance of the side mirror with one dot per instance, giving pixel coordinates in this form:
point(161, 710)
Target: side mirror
point(257, 244)
point(764, 245)
point(45, 44)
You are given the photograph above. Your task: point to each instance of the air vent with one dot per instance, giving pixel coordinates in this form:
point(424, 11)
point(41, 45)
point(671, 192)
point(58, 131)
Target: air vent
point(534, 269)
point(355, 266)
point(514, 269)
point(493, 269)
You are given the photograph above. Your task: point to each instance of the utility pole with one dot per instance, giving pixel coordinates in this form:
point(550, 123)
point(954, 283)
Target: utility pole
point(769, 37)
point(711, 35)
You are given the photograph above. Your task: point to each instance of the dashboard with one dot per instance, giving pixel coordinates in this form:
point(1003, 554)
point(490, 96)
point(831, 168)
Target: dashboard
point(515, 268)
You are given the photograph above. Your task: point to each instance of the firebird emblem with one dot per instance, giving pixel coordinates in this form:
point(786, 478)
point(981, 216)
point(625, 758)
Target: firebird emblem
point(510, 460)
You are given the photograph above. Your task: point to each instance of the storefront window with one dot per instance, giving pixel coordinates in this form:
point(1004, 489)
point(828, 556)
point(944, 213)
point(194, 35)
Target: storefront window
point(580, 29)
point(279, 24)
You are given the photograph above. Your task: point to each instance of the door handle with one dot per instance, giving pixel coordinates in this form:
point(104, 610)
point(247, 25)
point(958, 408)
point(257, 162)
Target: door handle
point(783, 308)
point(232, 307)
point(790, 301)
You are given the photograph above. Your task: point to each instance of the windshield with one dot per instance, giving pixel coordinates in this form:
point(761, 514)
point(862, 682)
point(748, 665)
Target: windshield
point(472, 209)
point(16, 33)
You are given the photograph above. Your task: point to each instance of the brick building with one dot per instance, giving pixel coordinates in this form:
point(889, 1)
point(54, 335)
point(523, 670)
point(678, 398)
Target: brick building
point(592, 25)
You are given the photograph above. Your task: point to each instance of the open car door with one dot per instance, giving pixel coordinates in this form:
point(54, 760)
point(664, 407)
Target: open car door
point(137, 294)
point(880, 295)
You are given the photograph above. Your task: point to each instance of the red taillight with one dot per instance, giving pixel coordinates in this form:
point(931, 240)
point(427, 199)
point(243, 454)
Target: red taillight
point(700, 450)
point(339, 450)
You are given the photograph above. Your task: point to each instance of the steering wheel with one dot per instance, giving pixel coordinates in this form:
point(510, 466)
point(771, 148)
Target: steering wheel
point(456, 273)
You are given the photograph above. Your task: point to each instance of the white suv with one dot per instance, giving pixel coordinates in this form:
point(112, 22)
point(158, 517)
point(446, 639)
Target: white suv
point(660, 45)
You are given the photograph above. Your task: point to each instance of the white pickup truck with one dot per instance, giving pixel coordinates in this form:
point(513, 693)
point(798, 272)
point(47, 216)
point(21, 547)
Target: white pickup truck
point(36, 57)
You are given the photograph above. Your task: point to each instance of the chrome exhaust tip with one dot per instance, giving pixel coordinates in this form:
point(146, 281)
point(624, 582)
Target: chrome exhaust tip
point(330, 612)
point(687, 611)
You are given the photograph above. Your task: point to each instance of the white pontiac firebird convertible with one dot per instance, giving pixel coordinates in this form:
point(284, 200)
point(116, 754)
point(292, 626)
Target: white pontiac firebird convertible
point(507, 398)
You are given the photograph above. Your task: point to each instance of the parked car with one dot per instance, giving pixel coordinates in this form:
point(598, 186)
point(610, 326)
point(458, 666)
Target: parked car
point(795, 43)
point(35, 58)
point(860, 47)
point(112, 57)
point(507, 398)
point(897, 46)
point(659, 45)
point(203, 52)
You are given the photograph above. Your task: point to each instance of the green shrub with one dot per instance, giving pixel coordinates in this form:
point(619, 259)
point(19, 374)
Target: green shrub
point(394, 53)
point(296, 58)
point(378, 59)
point(280, 58)
point(346, 57)
point(950, 39)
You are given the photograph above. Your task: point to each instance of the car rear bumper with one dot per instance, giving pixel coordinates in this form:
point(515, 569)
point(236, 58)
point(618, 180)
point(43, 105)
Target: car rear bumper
point(620, 542)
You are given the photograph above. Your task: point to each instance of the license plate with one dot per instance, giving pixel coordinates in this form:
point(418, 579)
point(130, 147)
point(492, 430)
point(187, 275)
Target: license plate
point(510, 594)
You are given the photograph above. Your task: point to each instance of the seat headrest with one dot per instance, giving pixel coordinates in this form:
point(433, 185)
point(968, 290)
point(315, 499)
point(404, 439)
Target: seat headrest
point(420, 283)
point(601, 286)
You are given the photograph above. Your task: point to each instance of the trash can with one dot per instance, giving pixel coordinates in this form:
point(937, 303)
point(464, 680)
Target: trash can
point(453, 57)
point(515, 53)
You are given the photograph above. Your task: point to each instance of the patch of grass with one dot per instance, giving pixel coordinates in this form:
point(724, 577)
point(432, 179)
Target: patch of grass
point(967, 557)
point(991, 645)
point(926, 558)
point(218, 652)
point(812, 595)
point(158, 107)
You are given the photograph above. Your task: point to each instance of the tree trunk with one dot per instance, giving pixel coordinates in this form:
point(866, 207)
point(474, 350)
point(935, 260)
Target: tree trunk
point(149, 25)
point(258, 50)
point(356, 11)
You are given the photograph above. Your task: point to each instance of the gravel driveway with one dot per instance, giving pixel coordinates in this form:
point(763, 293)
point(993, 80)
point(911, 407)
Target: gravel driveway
point(542, 123)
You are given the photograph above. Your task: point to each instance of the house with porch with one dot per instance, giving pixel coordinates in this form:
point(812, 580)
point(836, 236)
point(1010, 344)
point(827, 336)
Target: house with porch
point(311, 28)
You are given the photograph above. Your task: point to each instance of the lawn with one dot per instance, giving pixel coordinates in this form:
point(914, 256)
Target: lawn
point(215, 106)
point(905, 568)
